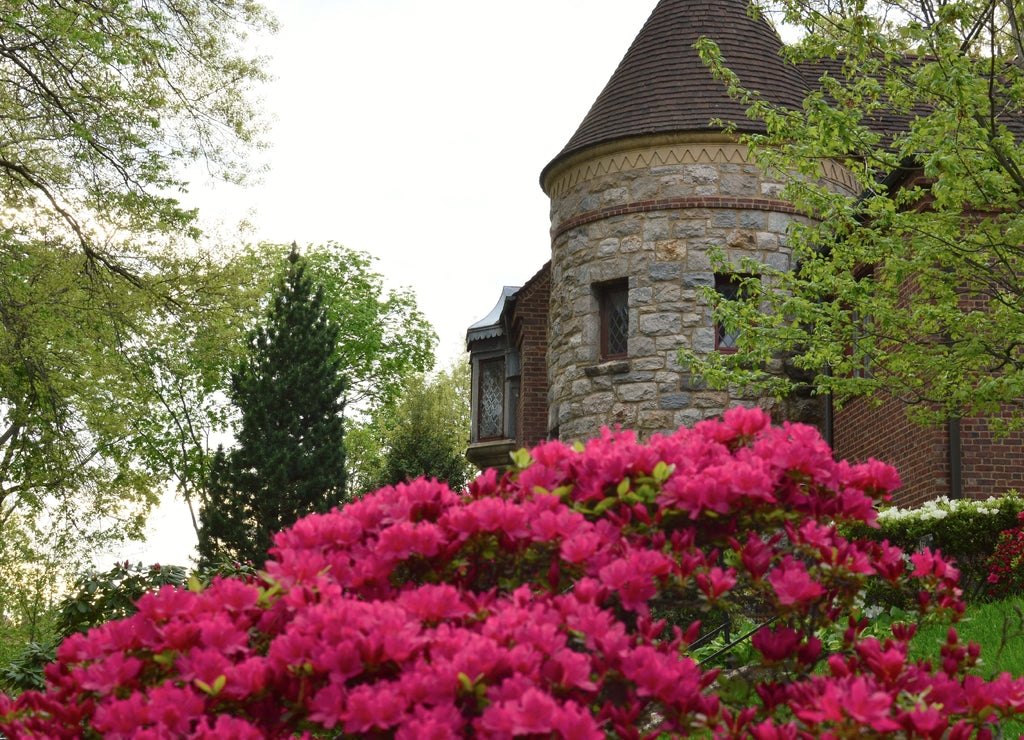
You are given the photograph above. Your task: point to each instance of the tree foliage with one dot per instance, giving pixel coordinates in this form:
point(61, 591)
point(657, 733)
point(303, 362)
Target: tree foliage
point(289, 457)
point(383, 338)
point(423, 433)
point(112, 335)
point(103, 102)
point(911, 286)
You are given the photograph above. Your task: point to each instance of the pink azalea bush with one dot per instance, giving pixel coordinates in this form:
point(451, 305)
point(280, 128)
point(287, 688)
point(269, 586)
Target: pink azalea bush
point(523, 608)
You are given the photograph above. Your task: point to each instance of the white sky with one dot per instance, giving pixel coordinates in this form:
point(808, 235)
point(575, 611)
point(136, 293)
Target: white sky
point(416, 131)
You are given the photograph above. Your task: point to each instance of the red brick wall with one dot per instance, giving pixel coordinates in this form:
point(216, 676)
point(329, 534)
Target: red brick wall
point(921, 455)
point(992, 464)
point(530, 335)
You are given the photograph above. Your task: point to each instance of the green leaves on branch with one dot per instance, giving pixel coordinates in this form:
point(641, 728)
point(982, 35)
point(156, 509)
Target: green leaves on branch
point(104, 103)
point(909, 285)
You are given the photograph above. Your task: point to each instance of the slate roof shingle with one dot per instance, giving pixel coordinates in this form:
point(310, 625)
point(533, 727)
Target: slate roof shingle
point(661, 85)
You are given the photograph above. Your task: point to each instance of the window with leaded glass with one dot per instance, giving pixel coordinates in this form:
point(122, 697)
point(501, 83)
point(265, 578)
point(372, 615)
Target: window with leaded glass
point(491, 399)
point(730, 289)
point(613, 299)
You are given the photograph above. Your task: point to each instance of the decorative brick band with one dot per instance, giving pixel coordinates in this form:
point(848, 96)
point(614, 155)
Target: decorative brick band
point(672, 204)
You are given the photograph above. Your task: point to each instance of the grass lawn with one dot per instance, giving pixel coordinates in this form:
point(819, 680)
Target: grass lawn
point(999, 628)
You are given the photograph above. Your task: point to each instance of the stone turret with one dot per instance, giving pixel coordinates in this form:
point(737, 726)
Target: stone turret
point(643, 190)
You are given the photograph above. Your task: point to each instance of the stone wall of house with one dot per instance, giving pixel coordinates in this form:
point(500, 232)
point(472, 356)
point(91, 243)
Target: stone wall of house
point(650, 211)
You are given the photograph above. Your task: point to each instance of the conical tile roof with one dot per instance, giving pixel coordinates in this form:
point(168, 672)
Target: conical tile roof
point(661, 85)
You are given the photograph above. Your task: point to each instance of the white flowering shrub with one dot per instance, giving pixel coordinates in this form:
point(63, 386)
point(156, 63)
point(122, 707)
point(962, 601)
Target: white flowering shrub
point(965, 529)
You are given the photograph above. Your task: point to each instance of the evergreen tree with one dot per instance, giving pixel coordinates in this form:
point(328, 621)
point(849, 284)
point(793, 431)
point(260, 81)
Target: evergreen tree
point(289, 459)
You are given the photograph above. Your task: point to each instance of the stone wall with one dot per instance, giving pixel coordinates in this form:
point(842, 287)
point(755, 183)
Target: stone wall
point(649, 211)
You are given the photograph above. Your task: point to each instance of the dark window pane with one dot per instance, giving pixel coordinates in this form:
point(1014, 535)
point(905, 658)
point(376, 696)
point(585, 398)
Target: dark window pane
point(728, 287)
point(491, 396)
point(614, 301)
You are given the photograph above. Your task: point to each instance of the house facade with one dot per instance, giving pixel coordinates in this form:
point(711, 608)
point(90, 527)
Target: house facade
point(648, 187)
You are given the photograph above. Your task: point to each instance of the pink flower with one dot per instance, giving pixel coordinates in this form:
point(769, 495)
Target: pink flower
point(716, 582)
point(792, 584)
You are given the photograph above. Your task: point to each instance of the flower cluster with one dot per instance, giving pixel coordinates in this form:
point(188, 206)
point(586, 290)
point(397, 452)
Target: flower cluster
point(528, 607)
point(1006, 564)
point(936, 509)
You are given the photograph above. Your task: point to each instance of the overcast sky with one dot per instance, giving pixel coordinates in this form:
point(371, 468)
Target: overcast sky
point(416, 131)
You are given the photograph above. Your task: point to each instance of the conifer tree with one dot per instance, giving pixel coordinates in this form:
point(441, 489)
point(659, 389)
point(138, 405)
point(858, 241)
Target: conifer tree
point(289, 458)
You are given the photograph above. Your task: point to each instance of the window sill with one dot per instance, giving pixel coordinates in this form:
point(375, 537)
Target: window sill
point(610, 367)
point(491, 454)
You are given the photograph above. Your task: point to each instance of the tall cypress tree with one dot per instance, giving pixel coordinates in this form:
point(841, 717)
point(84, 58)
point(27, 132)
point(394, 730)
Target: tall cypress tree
point(289, 458)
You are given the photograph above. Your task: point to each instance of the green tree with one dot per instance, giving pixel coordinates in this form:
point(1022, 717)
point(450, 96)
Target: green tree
point(384, 337)
point(105, 102)
point(289, 458)
point(911, 286)
point(424, 433)
point(110, 329)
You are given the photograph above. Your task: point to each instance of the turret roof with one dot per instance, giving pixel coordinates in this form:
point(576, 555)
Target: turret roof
point(662, 86)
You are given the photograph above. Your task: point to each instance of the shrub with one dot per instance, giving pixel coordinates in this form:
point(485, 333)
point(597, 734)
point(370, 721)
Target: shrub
point(523, 609)
point(1006, 564)
point(94, 597)
point(967, 530)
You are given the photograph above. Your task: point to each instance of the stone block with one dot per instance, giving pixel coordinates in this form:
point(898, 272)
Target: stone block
point(581, 387)
point(655, 229)
point(767, 241)
point(698, 279)
point(644, 188)
point(664, 271)
point(608, 247)
point(654, 421)
point(631, 244)
point(724, 219)
point(649, 363)
point(739, 185)
point(660, 324)
point(666, 169)
point(698, 261)
point(665, 293)
point(622, 227)
point(703, 340)
point(597, 403)
point(640, 296)
point(632, 392)
point(778, 223)
point(689, 229)
point(753, 220)
point(700, 174)
point(577, 243)
point(633, 377)
point(674, 401)
point(624, 414)
point(778, 261)
point(674, 187)
point(615, 197)
point(641, 346)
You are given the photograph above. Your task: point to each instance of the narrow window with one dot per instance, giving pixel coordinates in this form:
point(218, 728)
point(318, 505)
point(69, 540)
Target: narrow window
point(728, 288)
point(613, 299)
point(490, 418)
